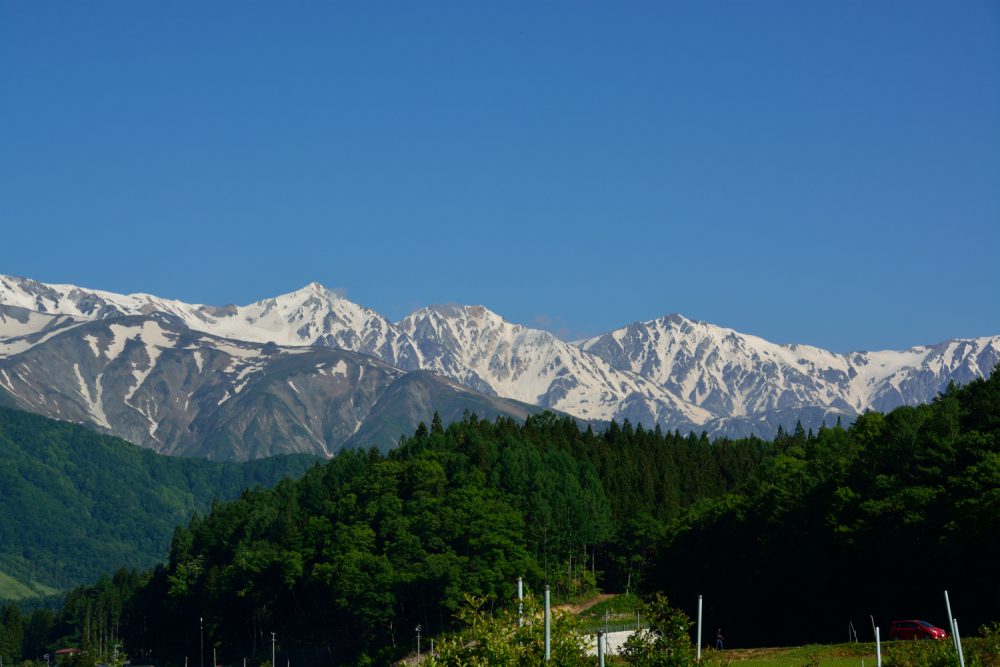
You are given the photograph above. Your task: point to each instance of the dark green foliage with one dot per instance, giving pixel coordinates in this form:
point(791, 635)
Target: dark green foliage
point(878, 519)
point(354, 555)
point(788, 540)
point(76, 504)
point(11, 633)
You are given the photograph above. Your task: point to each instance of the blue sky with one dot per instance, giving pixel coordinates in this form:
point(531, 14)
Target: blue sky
point(813, 172)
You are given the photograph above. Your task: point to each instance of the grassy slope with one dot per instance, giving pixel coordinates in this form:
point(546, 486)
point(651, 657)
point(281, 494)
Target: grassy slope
point(825, 655)
point(14, 589)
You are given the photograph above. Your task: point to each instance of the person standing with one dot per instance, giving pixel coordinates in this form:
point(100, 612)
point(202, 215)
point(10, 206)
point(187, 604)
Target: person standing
point(718, 639)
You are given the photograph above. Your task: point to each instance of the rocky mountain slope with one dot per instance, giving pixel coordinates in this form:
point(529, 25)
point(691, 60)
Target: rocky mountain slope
point(247, 381)
point(738, 376)
point(157, 383)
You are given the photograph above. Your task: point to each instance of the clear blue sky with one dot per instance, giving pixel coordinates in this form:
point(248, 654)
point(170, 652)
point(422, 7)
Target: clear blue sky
point(814, 172)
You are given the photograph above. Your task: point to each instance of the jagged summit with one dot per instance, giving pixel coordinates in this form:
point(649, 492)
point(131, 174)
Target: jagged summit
point(672, 370)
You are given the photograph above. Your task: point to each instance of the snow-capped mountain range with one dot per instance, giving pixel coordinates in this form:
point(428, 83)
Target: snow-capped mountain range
point(672, 371)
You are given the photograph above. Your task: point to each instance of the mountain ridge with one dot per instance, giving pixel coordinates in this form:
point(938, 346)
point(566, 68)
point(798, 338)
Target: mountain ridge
point(672, 371)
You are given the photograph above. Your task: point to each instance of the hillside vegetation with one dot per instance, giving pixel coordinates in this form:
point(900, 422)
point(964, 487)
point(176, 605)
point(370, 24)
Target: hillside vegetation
point(789, 540)
point(76, 504)
point(877, 519)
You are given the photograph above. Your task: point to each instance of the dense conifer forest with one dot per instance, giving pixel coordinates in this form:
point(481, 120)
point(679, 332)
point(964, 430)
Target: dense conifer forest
point(787, 540)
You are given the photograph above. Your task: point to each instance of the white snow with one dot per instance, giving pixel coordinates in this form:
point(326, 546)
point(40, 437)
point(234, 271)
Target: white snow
point(8, 385)
point(93, 342)
point(155, 339)
point(93, 401)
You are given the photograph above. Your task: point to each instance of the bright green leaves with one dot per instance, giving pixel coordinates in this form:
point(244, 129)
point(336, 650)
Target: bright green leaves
point(493, 636)
point(666, 643)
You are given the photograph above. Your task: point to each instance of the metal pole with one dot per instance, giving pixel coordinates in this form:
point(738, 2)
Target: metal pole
point(520, 601)
point(699, 628)
point(215, 661)
point(201, 632)
point(272, 649)
point(958, 640)
point(548, 626)
point(600, 648)
point(951, 622)
point(878, 648)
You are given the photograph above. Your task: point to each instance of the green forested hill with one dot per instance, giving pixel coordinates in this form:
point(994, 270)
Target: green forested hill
point(75, 504)
point(348, 559)
point(789, 541)
point(873, 521)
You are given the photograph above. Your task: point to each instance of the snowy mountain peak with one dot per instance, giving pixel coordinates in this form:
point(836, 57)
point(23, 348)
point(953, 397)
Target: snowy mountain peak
point(674, 371)
point(455, 311)
point(313, 289)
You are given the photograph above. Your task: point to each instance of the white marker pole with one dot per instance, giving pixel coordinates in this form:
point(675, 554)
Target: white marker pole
point(958, 640)
point(548, 626)
point(878, 648)
point(699, 628)
point(520, 601)
point(951, 622)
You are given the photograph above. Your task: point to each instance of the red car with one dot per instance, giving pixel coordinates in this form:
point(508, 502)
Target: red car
point(915, 630)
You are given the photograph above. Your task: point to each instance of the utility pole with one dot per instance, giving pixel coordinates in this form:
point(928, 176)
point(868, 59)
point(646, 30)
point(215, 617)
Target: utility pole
point(273, 636)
